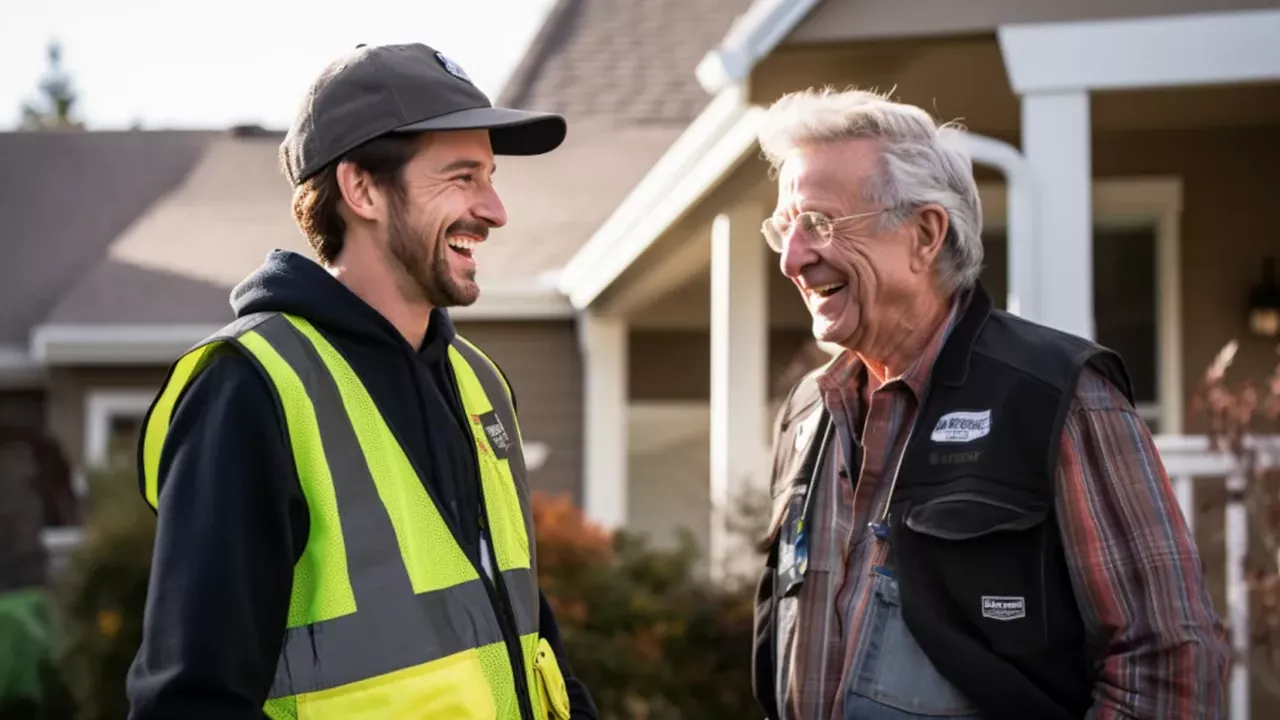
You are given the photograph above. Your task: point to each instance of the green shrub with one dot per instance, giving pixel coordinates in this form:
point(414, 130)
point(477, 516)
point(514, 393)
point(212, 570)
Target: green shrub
point(103, 593)
point(651, 639)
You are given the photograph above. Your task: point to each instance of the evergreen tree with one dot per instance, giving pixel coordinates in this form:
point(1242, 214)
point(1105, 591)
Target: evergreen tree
point(54, 109)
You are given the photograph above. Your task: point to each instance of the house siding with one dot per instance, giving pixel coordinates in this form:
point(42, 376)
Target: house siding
point(540, 359)
point(542, 362)
point(655, 352)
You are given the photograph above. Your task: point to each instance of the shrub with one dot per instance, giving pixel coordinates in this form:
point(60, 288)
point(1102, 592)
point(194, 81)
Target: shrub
point(103, 591)
point(648, 636)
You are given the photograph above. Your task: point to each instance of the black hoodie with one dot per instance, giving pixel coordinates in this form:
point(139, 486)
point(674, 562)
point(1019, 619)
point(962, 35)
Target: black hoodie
point(233, 520)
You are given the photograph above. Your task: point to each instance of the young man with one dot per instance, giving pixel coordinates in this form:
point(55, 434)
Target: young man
point(344, 523)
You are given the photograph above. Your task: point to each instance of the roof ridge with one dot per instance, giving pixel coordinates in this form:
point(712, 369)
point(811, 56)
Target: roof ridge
point(515, 90)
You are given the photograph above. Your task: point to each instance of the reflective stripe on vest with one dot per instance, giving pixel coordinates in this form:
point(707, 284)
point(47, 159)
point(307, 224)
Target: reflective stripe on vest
point(387, 615)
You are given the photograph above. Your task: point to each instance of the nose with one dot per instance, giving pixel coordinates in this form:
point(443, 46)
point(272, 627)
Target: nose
point(490, 209)
point(797, 254)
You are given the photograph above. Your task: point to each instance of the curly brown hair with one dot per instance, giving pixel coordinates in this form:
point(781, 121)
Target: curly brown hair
point(315, 201)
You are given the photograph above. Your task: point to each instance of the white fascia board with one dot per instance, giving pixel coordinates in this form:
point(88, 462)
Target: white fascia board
point(156, 343)
point(114, 344)
point(1149, 52)
point(516, 305)
point(753, 36)
point(18, 369)
point(713, 144)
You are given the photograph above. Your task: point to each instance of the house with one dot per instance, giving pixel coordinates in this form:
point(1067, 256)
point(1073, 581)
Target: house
point(1126, 154)
point(122, 247)
point(1125, 151)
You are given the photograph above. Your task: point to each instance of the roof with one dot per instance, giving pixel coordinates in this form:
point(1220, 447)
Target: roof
point(165, 223)
point(177, 262)
point(64, 196)
point(625, 60)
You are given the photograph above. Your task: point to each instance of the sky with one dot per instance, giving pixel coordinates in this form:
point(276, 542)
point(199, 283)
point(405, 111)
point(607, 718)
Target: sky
point(161, 65)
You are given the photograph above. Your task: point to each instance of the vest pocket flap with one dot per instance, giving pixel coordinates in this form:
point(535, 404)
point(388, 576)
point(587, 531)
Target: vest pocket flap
point(965, 516)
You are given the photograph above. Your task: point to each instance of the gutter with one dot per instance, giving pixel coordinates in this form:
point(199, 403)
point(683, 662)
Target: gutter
point(753, 36)
point(708, 150)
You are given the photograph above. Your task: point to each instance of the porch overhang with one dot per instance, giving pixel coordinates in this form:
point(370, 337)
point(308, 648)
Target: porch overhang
point(1151, 52)
point(720, 138)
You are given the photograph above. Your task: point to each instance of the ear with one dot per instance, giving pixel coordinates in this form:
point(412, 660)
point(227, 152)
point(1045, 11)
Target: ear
point(930, 233)
point(362, 197)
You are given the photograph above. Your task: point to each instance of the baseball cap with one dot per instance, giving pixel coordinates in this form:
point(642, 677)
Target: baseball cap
point(408, 88)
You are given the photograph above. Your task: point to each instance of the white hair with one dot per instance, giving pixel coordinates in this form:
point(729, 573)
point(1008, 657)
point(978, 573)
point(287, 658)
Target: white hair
point(922, 163)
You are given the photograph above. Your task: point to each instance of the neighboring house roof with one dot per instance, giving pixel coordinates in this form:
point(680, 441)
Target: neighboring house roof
point(145, 229)
point(64, 196)
point(622, 72)
point(177, 262)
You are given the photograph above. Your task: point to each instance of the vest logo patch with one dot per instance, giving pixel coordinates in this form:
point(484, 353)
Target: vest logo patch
point(1000, 607)
point(499, 440)
point(962, 426)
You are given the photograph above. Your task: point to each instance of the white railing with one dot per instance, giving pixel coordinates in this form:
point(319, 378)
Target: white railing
point(1188, 459)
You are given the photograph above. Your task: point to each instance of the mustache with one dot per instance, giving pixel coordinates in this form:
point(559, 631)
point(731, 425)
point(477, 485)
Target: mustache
point(470, 227)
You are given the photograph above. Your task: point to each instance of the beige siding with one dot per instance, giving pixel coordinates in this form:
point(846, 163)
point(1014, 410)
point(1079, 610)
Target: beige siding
point(539, 358)
point(542, 362)
point(67, 393)
point(676, 364)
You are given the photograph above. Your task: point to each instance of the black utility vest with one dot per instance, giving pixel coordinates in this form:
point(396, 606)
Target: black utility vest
point(981, 572)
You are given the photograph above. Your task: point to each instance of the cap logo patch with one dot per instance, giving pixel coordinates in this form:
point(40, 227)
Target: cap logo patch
point(452, 67)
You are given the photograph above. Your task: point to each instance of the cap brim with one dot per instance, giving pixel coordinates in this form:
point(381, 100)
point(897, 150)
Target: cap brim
point(512, 132)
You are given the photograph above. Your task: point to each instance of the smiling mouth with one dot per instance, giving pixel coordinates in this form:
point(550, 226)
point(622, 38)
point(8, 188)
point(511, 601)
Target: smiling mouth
point(461, 245)
point(827, 290)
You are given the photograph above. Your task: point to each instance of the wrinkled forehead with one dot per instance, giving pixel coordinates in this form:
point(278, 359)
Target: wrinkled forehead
point(831, 171)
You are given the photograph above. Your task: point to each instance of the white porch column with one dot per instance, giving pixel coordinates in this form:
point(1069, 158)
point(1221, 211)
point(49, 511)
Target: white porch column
point(739, 367)
point(1057, 143)
point(604, 423)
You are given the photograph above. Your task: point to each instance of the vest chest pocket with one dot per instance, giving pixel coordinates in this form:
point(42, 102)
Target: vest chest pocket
point(990, 556)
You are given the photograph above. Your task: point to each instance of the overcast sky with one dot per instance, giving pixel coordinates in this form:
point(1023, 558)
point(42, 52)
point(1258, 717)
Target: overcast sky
point(171, 64)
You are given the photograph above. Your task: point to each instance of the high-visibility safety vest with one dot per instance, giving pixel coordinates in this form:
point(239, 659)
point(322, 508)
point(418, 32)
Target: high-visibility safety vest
point(388, 617)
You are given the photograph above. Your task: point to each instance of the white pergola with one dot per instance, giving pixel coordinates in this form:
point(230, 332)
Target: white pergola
point(1053, 67)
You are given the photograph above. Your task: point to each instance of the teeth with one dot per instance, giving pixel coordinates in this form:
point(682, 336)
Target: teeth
point(825, 290)
point(461, 243)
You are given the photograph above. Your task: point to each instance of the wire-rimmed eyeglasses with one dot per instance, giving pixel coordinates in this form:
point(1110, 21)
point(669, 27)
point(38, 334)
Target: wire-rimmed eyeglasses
point(817, 226)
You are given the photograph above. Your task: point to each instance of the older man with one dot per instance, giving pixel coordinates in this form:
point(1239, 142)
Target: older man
point(971, 520)
point(344, 519)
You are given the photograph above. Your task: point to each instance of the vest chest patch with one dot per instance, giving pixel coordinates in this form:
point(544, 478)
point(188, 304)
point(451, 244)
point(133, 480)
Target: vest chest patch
point(962, 426)
point(1001, 607)
point(499, 440)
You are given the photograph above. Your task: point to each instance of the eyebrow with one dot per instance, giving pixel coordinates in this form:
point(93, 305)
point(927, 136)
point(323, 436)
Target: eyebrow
point(467, 164)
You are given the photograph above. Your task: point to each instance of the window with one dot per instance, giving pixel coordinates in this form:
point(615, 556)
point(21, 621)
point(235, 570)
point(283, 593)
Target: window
point(1125, 302)
point(112, 423)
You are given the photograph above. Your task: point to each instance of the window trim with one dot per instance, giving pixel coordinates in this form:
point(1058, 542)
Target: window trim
point(1152, 201)
point(101, 407)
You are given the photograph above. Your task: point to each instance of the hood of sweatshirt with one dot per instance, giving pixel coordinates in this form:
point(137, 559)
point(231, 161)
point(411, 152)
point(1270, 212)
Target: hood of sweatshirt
point(292, 283)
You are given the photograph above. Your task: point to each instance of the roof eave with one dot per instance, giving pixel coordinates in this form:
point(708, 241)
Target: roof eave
point(708, 150)
point(61, 343)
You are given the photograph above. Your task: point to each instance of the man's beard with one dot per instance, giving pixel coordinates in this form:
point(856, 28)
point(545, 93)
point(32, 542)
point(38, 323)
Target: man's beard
point(424, 263)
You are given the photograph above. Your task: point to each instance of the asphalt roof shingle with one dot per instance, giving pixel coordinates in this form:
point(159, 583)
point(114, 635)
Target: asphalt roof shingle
point(64, 197)
point(631, 61)
point(156, 227)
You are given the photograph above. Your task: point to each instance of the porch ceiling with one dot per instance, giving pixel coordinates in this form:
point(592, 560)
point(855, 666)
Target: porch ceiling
point(964, 79)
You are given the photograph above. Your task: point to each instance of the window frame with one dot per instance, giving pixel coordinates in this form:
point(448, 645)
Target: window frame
point(1153, 202)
